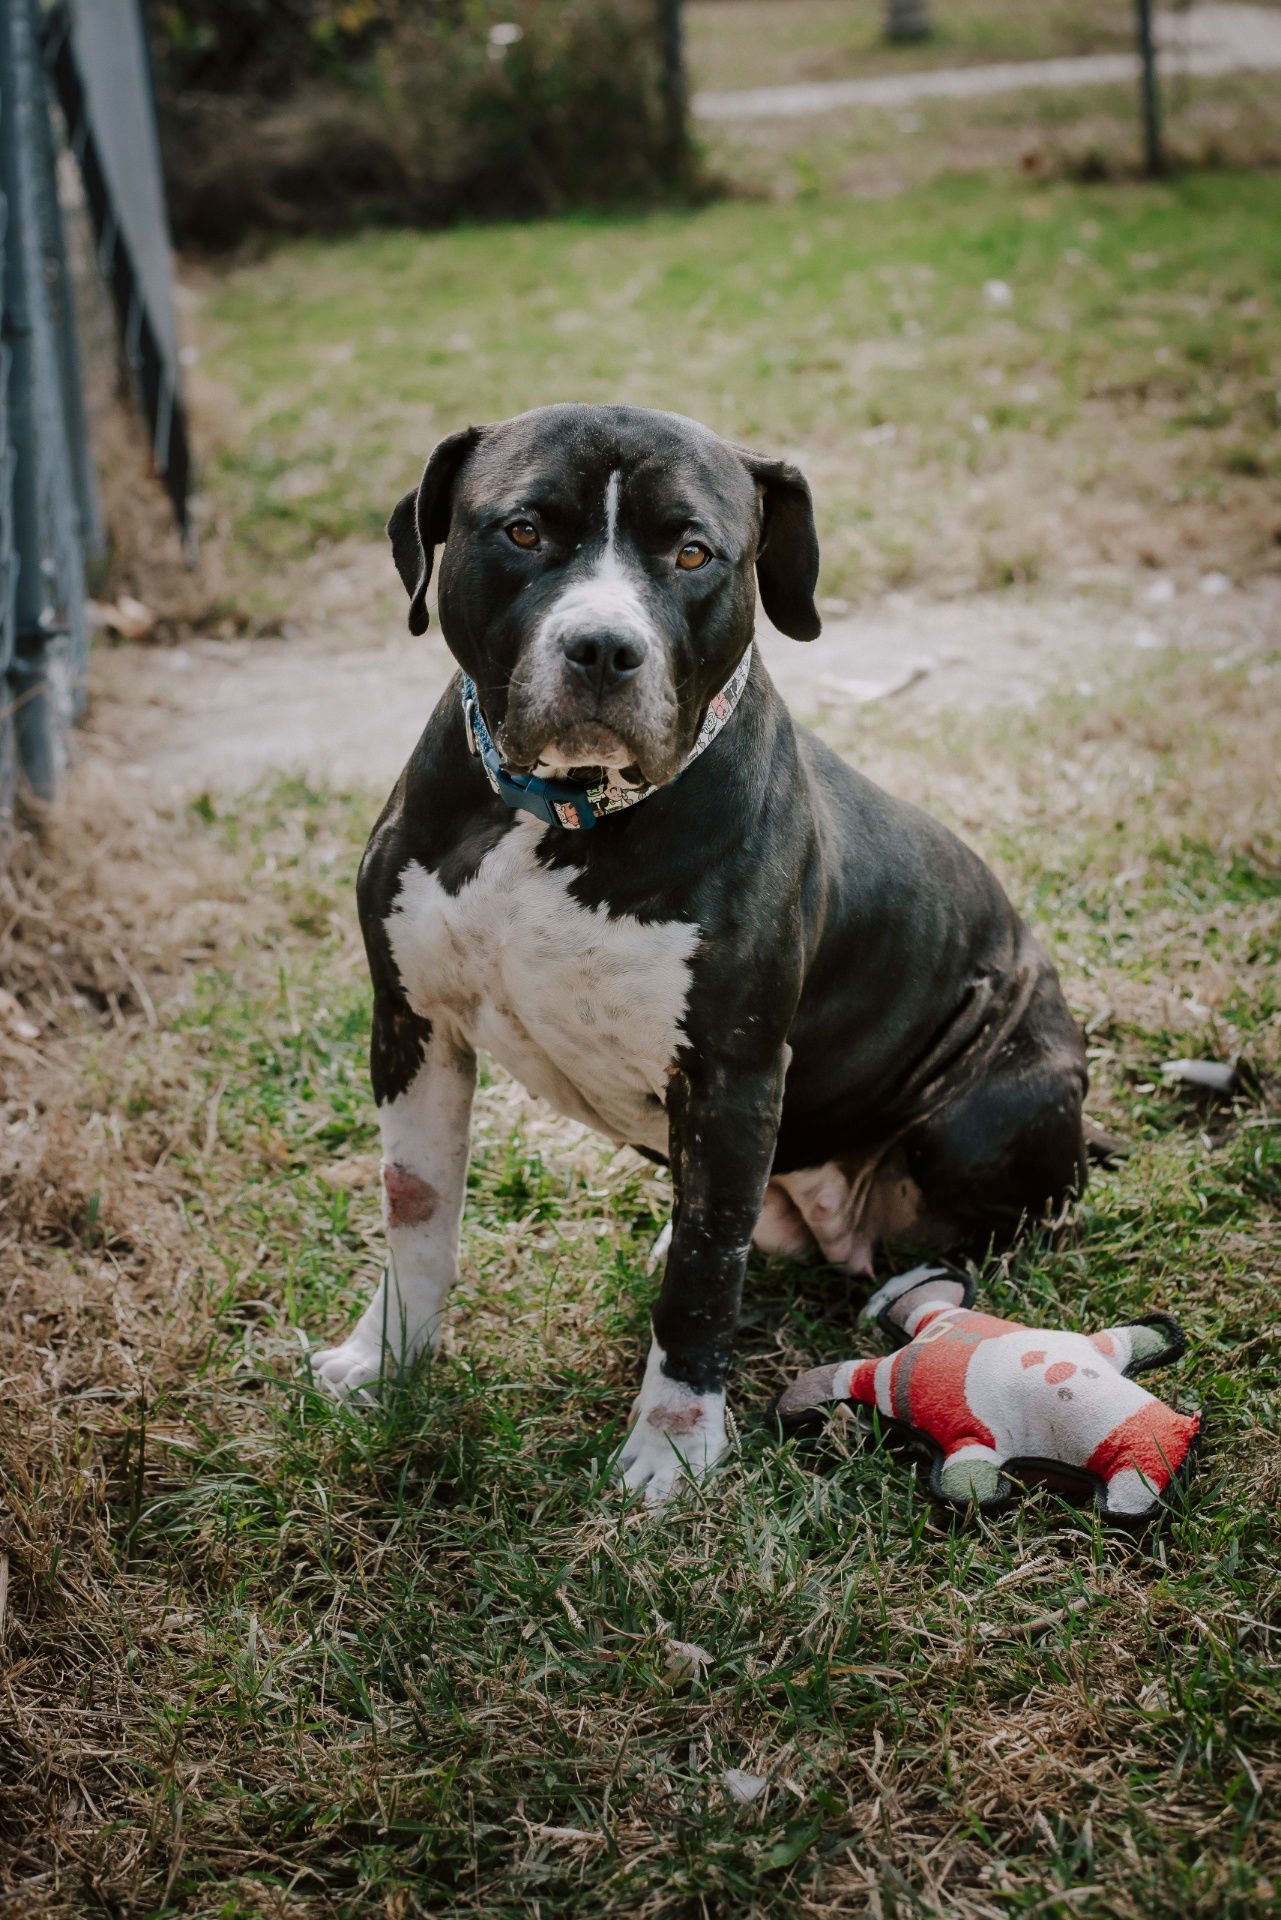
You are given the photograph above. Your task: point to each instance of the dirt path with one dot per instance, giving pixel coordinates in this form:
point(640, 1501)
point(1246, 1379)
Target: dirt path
point(344, 699)
point(1204, 40)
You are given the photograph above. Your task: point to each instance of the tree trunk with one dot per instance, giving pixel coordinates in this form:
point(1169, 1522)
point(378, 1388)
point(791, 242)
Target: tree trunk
point(908, 20)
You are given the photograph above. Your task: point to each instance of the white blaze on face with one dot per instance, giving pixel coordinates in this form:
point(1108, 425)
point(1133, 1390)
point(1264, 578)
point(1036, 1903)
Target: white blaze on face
point(612, 488)
point(609, 597)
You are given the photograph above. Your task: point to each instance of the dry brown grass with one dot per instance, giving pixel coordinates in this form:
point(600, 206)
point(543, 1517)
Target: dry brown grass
point(91, 1243)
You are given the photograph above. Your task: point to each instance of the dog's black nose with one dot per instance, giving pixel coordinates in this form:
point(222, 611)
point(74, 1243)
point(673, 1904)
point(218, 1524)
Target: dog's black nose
point(603, 660)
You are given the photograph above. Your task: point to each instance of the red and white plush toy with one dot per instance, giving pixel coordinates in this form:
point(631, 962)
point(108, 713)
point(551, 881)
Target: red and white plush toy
point(989, 1395)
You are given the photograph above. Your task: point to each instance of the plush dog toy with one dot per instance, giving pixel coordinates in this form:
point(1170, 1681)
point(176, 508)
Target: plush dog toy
point(987, 1394)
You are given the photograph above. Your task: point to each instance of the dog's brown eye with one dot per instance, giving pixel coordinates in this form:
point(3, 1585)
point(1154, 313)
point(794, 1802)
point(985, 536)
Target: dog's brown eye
point(523, 533)
point(692, 554)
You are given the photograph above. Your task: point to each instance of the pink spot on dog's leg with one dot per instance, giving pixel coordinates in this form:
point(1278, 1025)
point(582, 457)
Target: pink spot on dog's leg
point(675, 1419)
point(410, 1201)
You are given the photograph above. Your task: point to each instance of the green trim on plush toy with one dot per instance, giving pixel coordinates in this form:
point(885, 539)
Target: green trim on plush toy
point(1155, 1341)
point(978, 1481)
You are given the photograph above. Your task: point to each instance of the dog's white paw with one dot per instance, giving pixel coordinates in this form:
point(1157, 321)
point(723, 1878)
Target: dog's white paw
point(352, 1368)
point(652, 1462)
point(676, 1432)
point(373, 1351)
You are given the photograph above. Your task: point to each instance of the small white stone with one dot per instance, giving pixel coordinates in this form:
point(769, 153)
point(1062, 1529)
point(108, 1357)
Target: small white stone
point(684, 1660)
point(1213, 584)
point(659, 1251)
point(1145, 639)
point(1215, 1075)
point(1160, 593)
point(743, 1787)
point(998, 294)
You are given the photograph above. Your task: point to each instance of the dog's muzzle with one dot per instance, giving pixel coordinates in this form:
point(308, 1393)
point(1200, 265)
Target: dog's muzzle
point(567, 803)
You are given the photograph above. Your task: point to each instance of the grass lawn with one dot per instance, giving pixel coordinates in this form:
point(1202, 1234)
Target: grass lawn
point(1077, 132)
point(1120, 407)
point(269, 1659)
point(755, 43)
point(1086, 134)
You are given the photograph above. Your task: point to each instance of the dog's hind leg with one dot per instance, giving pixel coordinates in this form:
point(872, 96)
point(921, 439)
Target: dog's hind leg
point(424, 1116)
point(1010, 1149)
point(830, 1206)
point(780, 1227)
point(850, 1207)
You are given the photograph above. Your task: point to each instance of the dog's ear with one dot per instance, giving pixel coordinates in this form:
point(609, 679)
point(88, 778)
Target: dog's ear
point(787, 558)
point(420, 522)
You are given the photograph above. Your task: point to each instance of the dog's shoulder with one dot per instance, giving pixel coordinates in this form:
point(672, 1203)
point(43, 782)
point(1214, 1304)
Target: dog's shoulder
point(887, 848)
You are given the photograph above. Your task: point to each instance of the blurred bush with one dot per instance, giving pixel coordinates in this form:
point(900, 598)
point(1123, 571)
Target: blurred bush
point(314, 116)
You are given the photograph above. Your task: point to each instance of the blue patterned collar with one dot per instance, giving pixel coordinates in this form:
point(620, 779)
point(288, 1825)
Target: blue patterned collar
point(564, 803)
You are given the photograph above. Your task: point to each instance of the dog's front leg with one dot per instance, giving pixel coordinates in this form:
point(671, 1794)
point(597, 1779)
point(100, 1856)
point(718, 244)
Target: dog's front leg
point(723, 1125)
point(424, 1118)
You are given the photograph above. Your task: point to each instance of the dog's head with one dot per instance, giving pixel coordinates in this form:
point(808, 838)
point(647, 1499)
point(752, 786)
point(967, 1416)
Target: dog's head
point(598, 580)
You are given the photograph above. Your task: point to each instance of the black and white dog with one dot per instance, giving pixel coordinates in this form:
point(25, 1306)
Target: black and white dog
point(614, 862)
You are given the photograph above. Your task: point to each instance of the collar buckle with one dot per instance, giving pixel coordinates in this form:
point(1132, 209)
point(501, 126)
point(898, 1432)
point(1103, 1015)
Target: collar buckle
point(557, 803)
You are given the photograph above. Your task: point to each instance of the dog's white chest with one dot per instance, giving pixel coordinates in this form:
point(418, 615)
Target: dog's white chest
point(582, 1007)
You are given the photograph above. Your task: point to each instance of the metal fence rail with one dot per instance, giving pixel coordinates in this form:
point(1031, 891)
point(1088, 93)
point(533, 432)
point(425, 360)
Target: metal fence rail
point(95, 52)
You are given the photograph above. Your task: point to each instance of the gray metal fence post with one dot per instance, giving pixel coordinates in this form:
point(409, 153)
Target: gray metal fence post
point(46, 669)
point(8, 762)
point(672, 56)
point(49, 514)
point(908, 20)
point(93, 537)
point(1153, 155)
point(29, 691)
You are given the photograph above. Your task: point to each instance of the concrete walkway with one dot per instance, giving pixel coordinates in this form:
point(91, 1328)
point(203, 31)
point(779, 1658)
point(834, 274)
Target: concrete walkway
point(344, 704)
point(1204, 40)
